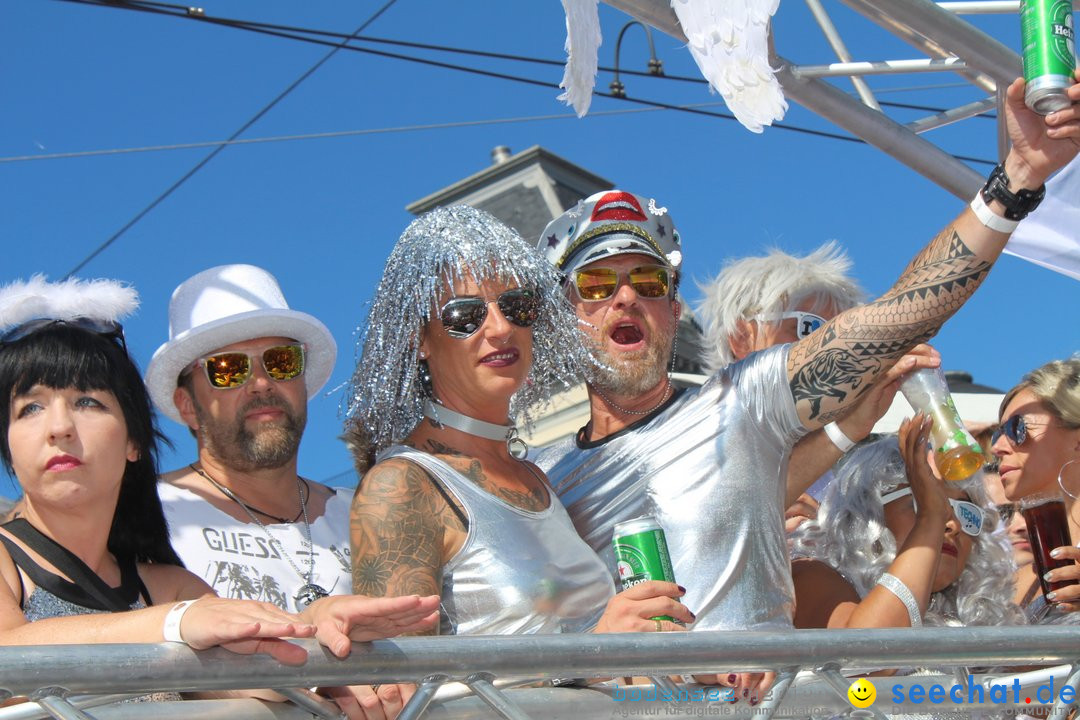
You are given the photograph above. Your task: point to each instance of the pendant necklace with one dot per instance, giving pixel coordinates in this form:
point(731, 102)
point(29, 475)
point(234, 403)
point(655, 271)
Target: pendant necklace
point(443, 415)
point(309, 592)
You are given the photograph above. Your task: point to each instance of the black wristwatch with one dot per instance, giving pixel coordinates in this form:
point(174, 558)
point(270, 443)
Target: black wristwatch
point(1017, 205)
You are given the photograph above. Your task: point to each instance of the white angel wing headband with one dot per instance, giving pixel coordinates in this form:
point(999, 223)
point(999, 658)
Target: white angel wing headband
point(101, 301)
point(729, 41)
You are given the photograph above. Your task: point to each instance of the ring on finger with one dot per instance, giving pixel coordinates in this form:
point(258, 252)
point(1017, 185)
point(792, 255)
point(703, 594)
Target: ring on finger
point(659, 625)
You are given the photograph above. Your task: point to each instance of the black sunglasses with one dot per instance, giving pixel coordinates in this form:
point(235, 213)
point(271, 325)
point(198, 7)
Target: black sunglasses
point(106, 328)
point(1016, 429)
point(1007, 511)
point(463, 316)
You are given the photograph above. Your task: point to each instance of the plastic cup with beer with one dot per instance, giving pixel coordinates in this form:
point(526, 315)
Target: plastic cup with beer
point(1047, 516)
point(1048, 528)
point(956, 453)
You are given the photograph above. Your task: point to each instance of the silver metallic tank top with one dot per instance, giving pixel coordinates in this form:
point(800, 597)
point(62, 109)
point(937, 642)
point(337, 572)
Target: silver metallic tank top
point(518, 571)
point(711, 467)
point(43, 604)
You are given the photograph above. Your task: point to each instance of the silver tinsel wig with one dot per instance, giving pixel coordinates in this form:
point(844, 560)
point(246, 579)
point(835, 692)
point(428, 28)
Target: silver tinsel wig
point(386, 396)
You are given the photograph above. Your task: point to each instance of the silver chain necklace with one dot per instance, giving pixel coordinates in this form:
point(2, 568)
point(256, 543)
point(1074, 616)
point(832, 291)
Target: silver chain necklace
point(309, 592)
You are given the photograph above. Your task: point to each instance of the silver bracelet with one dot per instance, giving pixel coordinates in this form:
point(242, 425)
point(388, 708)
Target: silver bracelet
point(897, 587)
point(839, 438)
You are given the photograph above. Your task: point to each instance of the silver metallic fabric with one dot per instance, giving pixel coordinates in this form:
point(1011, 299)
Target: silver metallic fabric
point(711, 468)
point(385, 398)
point(519, 571)
point(43, 604)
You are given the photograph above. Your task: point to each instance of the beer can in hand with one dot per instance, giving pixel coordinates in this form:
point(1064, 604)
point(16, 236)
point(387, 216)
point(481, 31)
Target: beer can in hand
point(641, 554)
point(1049, 53)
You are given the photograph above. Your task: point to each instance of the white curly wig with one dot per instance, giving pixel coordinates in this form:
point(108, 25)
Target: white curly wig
point(850, 536)
point(773, 283)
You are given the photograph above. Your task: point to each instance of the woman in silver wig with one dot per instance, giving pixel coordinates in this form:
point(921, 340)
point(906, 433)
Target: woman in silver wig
point(895, 546)
point(469, 326)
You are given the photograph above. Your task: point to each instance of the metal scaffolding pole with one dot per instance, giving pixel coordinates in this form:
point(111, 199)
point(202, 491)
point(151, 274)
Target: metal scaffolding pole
point(822, 98)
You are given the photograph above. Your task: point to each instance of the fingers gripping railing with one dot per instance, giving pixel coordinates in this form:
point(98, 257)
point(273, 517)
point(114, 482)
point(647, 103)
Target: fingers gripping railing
point(49, 674)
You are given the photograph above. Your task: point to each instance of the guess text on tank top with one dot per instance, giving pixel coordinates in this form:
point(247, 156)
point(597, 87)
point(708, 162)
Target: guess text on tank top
point(241, 543)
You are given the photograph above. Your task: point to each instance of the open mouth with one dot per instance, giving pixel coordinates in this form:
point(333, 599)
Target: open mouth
point(627, 333)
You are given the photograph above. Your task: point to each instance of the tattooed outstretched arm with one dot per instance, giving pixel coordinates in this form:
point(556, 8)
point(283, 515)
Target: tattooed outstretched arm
point(400, 528)
point(835, 365)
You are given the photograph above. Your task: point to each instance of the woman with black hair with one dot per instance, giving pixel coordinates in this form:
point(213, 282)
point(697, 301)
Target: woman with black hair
point(90, 539)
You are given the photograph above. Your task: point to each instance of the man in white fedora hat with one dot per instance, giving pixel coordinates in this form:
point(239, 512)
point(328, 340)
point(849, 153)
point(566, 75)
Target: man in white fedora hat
point(238, 370)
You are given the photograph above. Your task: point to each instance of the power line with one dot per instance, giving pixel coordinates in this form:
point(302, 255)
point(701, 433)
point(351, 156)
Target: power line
point(213, 153)
point(243, 25)
point(333, 134)
point(293, 32)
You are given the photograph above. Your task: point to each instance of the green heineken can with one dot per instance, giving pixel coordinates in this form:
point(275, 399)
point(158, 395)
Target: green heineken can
point(1049, 53)
point(641, 554)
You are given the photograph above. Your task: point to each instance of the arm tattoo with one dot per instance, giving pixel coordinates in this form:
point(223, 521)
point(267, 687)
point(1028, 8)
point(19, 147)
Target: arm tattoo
point(397, 529)
point(838, 363)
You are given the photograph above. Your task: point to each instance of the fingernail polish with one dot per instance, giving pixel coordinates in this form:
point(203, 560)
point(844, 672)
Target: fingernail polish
point(1056, 552)
point(693, 617)
point(1051, 595)
point(682, 589)
point(732, 678)
point(1048, 577)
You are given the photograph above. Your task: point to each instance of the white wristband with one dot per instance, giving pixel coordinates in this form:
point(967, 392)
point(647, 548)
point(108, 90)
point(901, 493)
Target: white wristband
point(171, 629)
point(842, 442)
point(897, 587)
point(990, 219)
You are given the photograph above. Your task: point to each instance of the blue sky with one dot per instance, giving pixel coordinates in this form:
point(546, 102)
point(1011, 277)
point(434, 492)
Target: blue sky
point(322, 214)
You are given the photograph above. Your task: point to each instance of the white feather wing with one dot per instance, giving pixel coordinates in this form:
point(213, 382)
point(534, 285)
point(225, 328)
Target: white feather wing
point(729, 40)
point(582, 42)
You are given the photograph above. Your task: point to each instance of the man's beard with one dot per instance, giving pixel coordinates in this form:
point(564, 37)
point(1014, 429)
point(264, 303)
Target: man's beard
point(629, 374)
point(269, 446)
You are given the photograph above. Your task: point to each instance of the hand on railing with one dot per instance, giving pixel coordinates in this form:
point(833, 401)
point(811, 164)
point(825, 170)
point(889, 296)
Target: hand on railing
point(367, 702)
point(341, 619)
point(632, 610)
point(245, 627)
point(745, 686)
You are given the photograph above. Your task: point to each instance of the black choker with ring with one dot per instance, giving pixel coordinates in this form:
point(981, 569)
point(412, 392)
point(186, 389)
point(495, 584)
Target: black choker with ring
point(444, 416)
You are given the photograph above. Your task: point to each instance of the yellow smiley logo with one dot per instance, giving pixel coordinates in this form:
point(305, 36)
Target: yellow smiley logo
point(862, 693)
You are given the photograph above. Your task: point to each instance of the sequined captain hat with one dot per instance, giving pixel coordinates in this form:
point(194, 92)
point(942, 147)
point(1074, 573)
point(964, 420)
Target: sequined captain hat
point(611, 223)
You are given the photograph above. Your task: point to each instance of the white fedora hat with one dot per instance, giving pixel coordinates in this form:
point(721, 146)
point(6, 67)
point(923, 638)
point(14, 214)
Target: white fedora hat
point(225, 305)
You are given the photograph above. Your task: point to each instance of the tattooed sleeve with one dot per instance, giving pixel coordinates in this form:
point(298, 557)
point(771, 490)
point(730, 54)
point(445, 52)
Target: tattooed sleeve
point(839, 362)
point(397, 528)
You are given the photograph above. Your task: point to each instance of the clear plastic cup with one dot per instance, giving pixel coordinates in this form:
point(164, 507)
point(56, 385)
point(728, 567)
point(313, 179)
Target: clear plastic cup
point(956, 453)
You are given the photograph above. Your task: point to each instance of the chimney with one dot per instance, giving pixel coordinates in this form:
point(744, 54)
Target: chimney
point(500, 154)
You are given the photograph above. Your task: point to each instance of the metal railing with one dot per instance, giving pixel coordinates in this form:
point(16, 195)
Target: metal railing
point(83, 681)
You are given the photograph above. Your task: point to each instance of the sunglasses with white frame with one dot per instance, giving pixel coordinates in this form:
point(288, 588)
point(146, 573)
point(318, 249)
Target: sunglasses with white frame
point(805, 322)
point(968, 514)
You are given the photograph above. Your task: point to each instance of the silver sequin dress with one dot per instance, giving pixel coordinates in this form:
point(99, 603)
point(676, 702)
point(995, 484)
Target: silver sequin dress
point(518, 572)
point(711, 467)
